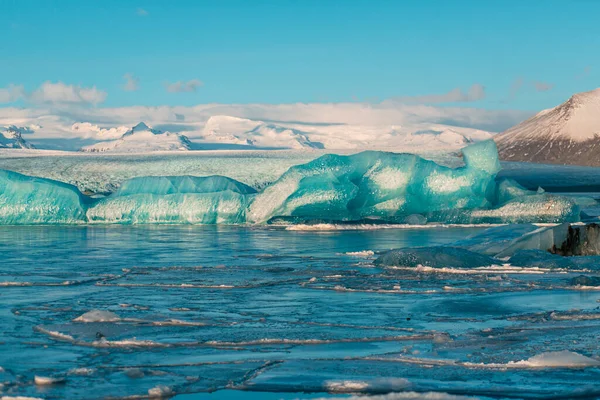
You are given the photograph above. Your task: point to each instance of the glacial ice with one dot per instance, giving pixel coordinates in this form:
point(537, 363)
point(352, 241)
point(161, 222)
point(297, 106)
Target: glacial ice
point(435, 257)
point(368, 186)
point(28, 200)
point(379, 185)
point(177, 199)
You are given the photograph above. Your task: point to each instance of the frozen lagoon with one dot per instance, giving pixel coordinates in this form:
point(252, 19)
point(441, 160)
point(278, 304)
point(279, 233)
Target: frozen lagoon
point(189, 310)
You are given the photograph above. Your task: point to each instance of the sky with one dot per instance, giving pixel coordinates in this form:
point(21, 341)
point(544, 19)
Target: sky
point(501, 55)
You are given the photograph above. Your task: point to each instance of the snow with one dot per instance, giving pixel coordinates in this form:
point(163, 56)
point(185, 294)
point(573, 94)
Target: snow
point(12, 137)
point(141, 138)
point(566, 134)
point(576, 119)
point(409, 137)
point(221, 131)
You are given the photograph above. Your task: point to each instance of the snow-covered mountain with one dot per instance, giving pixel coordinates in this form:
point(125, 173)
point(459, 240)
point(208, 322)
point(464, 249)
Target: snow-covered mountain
point(234, 130)
point(12, 137)
point(414, 137)
point(141, 139)
point(566, 134)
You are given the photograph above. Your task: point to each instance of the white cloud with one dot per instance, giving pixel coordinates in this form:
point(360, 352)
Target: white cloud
point(87, 130)
point(475, 93)
point(11, 93)
point(542, 86)
point(61, 93)
point(132, 83)
point(180, 87)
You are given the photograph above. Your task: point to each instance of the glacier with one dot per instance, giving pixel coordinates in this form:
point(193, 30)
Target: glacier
point(369, 186)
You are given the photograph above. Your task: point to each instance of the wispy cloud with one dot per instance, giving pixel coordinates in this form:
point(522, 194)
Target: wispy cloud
point(181, 87)
point(61, 93)
point(141, 12)
point(585, 73)
point(132, 83)
point(11, 93)
point(475, 93)
point(542, 86)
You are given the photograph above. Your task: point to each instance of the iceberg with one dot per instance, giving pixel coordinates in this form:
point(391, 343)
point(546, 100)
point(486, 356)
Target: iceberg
point(176, 199)
point(373, 187)
point(379, 185)
point(26, 200)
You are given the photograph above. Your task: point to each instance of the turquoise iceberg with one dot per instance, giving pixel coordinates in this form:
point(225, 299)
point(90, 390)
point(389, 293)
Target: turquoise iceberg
point(26, 200)
point(379, 185)
point(175, 199)
point(368, 186)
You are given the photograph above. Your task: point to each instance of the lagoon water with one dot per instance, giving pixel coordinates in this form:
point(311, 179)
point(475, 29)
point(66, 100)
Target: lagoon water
point(198, 309)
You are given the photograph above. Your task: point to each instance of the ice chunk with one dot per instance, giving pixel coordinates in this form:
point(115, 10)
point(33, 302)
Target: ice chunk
point(434, 257)
point(178, 200)
point(541, 208)
point(563, 358)
point(30, 200)
point(495, 240)
point(379, 185)
point(564, 239)
point(46, 380)
point(542, 259)
point(98, 316)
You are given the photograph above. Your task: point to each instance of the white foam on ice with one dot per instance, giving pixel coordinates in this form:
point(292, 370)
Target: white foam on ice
point(19, 398)
point(380, 384)
point(492, 269)
point(412, 396)
point(352, 227)
point(364, 253)
point(160, 392)
point(557, 359)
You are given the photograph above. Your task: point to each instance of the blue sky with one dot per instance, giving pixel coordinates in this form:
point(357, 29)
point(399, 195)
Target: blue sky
point(523, 55)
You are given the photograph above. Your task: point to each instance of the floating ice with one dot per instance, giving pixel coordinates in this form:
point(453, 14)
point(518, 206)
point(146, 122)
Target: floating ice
point(98, 316)
point(30, 200)
point(435, 257)
point(555, 359)
point(178, 199)
point(379, 185)
point(365, 187)
point(46, 380)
